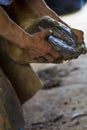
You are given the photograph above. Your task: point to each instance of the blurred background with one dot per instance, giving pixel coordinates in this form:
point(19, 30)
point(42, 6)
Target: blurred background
point(62, 7)
point(64, 92)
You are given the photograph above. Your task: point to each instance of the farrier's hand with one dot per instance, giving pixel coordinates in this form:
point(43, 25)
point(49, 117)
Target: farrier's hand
point(70, 42)
point(39, 49)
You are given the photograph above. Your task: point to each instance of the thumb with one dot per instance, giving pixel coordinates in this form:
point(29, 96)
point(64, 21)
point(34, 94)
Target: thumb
point(46, 33)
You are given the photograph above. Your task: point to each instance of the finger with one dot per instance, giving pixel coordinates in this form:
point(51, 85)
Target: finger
point(41, 59)
point(59, 60)
point(56, 54)
point(53, 59)
point(49, 58)
point(45, 34)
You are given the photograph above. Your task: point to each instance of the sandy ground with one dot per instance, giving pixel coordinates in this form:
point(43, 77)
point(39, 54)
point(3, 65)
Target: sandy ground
point(54, 108)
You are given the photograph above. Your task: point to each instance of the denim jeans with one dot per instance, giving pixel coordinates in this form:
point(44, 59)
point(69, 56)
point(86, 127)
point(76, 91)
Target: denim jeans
point(65, 6)
point(5, 2)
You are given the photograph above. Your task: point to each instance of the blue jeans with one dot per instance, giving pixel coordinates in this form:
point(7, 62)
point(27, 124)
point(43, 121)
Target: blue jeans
point(5, 2)
point(65, 6)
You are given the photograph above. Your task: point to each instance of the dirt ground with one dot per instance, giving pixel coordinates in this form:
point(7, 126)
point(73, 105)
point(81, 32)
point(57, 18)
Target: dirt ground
point(62, 103)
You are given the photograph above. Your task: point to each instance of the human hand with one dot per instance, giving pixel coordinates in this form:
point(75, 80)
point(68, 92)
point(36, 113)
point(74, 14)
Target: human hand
point(39, 50)
point(69, 42)
point(36, 48)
